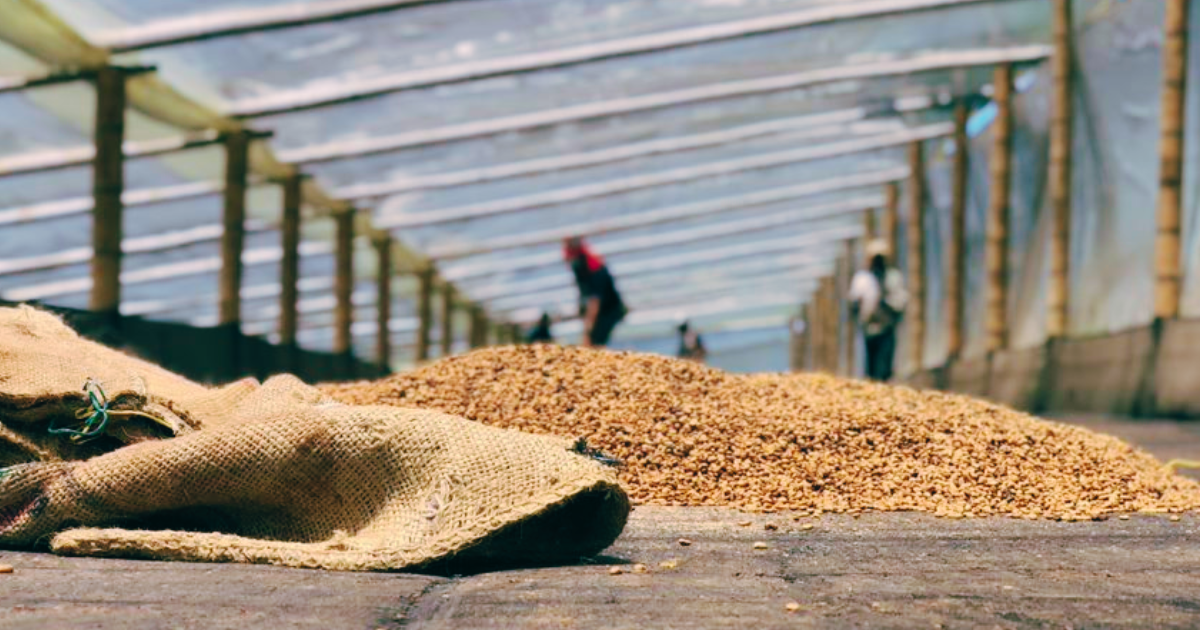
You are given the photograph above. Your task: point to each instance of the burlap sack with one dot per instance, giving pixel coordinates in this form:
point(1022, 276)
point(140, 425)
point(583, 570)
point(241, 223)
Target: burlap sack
point(279, 474)
point(44, 367)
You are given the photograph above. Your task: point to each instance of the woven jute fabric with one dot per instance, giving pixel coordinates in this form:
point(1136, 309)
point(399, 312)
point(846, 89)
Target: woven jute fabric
point(281, 474)
point(44, 366)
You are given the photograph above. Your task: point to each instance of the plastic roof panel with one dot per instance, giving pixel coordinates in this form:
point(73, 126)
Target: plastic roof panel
point(442, 39)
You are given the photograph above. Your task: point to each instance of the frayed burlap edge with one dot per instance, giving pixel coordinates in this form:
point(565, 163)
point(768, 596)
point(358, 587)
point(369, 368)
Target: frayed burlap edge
point(341, 553)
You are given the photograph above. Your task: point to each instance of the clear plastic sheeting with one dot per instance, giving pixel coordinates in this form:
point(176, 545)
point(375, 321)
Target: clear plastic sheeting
point(688, 111)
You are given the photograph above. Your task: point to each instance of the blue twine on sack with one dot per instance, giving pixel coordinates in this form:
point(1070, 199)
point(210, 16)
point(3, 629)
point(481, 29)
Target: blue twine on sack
point(96, 420)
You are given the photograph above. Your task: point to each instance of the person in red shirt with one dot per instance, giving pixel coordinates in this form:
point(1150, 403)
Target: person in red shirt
point(600, 303)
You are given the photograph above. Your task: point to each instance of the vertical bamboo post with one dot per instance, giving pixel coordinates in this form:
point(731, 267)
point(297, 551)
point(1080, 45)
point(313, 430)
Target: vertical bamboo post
point(795, 348)
point(870, 224)
point(233, 239)
point(1061, 121)
point(829, 318)
point(1168, 261)
point(424, 311)
point(802, 340)
point(851, 325)
point(816, 331)
point(815, 328)
point(290, 262)
point(915, 317)
point(383, 304)
point(447, 319)
point(477, 332)
point(956, 250)
point(835, 325)
point(108, 182)
point(837, 330)
point(998, 211)
point(891, 220)
point(343, 287)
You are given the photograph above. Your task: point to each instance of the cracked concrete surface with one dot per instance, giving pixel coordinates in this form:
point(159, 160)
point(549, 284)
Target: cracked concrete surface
point(877, 570)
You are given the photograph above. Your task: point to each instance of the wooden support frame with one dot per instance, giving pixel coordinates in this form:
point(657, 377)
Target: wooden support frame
point(478, 331)
point(680, 212)
point(998, 212)
point(108, 184)
point(448, 309)
point(425, 278)
point(343, 283)
point(870, 224)
point(58, 77)
point(643, 181)
point(915, 318)
point(302, 100)
point(891, 220)
point(823, 125)
point(383, 303)
point(1062, 120)
point(798, 333)
point(233, 239)
point(244, 21)
point(765, 223)
point(293, 198)
point(815, 330)
point(1168, 251)
point(956, 250)
point(832, 325)
point(39, 162)
point(851, 337)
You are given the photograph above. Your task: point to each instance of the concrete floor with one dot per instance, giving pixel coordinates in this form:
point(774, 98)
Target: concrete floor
point(879, 570)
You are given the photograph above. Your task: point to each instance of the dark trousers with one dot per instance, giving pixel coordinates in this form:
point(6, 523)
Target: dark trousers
point(606, 321)
point(881, 352)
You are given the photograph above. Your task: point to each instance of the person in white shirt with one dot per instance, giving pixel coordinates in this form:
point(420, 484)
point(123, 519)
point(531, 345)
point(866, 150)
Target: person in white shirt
point(877, 300)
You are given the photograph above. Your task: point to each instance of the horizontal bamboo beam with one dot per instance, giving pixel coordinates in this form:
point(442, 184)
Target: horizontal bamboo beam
point(753, 224)
point(524, 203)
point(58, 77)
point(926, 62)
point(302, 99)
point(840, 122)
point(211, 25)
point(58, 159)
point(671, 214)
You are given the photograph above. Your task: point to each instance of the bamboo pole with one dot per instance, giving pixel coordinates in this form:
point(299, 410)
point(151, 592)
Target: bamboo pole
point(108, 183)
point(816, 328)
point(835, 326)
point(478, 331)
point(383, 304)
point(1168, 259)
point(956, 250)
point(829, 318)
point(343, 285)
point(870, 224)
point(915, 318)
point(891, 220)
point(998, 211)
point(290, 263)
point(1061, 140)
point(233, 238)
point(447, 319)
point(800, 341)
point(424, 311)
point(851, 350)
